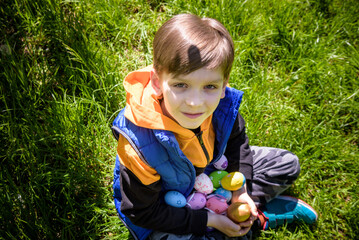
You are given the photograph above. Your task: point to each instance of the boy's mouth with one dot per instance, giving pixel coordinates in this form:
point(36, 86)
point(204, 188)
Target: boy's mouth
point(192, 115)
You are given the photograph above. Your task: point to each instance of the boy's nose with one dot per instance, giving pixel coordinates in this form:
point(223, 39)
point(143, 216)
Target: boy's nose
point(195, 99)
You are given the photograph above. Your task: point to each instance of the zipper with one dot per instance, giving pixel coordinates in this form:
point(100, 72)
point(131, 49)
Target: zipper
point(200, 139)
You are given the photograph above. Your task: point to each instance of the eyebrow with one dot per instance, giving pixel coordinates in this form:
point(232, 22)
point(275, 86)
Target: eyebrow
point(219, 80)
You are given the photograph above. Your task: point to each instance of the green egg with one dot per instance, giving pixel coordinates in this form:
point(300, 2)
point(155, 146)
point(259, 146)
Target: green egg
point(216, 178)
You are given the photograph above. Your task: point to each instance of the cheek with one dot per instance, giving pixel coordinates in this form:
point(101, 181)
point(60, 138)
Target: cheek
point(171, 104)
point(171, 99)
point(214, 99)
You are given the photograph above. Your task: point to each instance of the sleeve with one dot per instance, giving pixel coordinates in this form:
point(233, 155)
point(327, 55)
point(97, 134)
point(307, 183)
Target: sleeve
point(142, 202)
point(238, 152)
point(143, 206)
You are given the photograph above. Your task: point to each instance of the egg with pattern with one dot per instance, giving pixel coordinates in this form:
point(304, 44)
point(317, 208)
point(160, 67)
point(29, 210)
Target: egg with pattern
point(225, 193)
point(216, 178)
point(233, 181)
point(217, 203)
point(196, 200)
point(175, 199)
point(222, 163)
point(203, 184)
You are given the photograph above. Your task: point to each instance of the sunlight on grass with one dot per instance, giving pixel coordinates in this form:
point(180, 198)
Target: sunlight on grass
point(62, 65)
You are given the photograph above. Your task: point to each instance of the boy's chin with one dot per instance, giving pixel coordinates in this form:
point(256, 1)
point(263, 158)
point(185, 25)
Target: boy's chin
point(191, 126)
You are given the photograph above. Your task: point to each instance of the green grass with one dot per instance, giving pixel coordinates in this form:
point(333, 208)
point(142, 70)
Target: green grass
point(61, 69)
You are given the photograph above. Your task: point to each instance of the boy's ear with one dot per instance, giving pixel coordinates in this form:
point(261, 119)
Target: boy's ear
point(225, 84)
point(223, 91)
point(155, 82)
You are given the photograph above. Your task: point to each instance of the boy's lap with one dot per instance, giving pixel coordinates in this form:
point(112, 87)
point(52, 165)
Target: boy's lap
point(274, 170)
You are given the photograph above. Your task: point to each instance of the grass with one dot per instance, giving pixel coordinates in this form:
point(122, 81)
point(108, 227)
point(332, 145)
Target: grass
point(62, 65)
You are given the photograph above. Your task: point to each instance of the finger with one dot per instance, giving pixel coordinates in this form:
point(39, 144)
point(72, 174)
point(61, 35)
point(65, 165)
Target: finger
point(254, 210)
point(247, 223)
point(234, 232)
point(237, 228)
point(253, 218)
point(233, 226)
point(244, 231)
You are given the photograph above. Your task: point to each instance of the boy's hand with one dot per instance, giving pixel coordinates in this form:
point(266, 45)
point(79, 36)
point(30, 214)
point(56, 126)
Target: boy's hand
point(242, 196)
point(225, 225)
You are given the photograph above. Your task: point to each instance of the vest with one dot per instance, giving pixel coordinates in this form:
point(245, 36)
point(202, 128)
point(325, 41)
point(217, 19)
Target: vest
point(160, 150)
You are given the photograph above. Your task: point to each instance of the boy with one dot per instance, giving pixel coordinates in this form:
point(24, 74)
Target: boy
point(179, 119)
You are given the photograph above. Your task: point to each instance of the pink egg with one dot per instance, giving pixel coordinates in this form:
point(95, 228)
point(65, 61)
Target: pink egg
point(196, 200)
point(217, 203)
point(203, 184)
point(222, 163)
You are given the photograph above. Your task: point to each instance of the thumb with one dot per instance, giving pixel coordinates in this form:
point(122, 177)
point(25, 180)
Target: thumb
point(253, 207)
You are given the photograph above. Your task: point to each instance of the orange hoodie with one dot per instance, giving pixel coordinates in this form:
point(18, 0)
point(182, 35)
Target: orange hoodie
point(144, 110)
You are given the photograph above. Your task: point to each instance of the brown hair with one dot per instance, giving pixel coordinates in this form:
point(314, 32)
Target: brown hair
point(186, 43)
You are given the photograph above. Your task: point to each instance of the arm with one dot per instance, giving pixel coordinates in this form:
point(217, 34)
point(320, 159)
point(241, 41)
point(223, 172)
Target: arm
point(240, 158)
point(142, 204)
point(242, 196)
point(238, 152)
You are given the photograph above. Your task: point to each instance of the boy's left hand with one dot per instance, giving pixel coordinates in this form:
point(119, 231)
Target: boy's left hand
point(242, 196)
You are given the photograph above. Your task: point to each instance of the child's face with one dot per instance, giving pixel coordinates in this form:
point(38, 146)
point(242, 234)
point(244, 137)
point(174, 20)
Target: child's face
point(190, 99)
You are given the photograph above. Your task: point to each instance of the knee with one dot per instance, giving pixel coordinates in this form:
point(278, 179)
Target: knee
point(293, 162)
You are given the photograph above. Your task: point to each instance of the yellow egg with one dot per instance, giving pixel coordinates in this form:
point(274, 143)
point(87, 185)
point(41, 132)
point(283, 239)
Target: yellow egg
point(239, 212)
point(233, 181)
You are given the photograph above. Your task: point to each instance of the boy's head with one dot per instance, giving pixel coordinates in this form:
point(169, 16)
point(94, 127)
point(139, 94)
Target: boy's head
point(187, 43)
point(192, 60)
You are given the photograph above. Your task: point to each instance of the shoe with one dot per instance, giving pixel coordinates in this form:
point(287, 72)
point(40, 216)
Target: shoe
point(285, 209)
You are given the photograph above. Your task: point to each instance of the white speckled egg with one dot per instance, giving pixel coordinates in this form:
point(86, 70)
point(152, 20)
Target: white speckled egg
point(222, 163)
point(175, 199)
point(203, 184)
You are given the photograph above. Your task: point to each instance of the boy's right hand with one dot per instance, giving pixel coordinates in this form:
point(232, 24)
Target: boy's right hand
point(225, 225)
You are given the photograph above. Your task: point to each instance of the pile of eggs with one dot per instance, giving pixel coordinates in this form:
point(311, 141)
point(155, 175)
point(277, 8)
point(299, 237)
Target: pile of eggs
point(212, 192)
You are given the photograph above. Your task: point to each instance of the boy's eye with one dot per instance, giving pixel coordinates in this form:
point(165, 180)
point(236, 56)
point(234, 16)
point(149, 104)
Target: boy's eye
point(180, 85)
point(211, 87)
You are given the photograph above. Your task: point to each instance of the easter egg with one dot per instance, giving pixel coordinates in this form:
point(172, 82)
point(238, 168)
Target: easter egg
point(238, 212)
point(217, 203)
point(216, 177)
point(175, 199)
point(233, 181)
point(225, 193)
point(203, 184)
point(196, 200)
point(221, 164)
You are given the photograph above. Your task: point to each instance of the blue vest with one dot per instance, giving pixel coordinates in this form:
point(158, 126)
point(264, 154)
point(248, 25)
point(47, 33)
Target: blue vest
point(160, 150)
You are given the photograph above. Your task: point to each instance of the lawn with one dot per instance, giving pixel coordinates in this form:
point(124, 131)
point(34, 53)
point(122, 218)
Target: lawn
point(61, 68)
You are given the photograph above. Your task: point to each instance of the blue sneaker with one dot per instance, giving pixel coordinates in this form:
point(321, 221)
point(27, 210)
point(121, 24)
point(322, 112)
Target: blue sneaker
point(285, 209)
